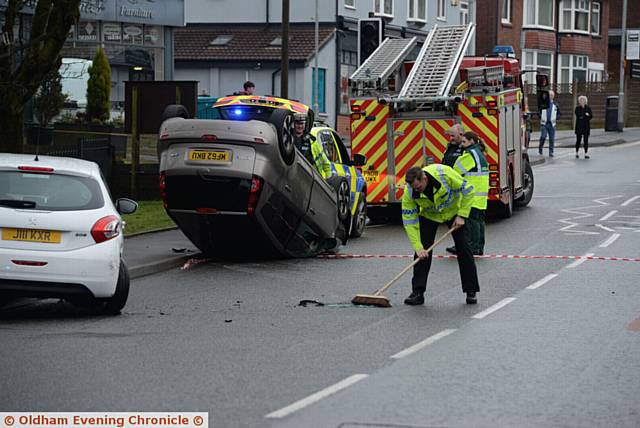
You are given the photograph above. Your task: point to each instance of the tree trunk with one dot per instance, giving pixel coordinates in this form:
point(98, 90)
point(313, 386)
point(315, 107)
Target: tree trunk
point(11, 123)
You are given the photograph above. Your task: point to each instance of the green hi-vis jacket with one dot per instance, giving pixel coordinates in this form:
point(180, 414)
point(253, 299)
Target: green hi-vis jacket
point(473, 166)
point(320, 159)
point(452, 195)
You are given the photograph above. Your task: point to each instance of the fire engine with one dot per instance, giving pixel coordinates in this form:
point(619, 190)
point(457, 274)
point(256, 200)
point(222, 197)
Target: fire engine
point(398, 129)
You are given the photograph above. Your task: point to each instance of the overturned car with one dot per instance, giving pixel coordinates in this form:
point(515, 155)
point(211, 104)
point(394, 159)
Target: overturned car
point(238, 186)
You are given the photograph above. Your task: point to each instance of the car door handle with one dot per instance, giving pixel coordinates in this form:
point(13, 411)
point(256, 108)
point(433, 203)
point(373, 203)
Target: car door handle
point(312, 211)
point(287, 188)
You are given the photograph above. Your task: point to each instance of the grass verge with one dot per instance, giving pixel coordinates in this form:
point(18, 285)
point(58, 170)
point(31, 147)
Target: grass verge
point(149, 216)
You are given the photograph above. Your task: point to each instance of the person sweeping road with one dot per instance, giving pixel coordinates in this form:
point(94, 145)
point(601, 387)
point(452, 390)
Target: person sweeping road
point(434, 195)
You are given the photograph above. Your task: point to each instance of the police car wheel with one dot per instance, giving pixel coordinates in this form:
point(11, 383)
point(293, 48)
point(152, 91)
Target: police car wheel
point(283, 121)
point(175, 110)
point(359, 219)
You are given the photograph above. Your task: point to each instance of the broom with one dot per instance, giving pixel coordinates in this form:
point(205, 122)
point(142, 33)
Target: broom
point(377, 299)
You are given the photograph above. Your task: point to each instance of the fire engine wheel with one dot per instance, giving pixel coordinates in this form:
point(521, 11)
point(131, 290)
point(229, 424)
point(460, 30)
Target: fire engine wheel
point(175, 110)
point(360, 218)
point(527, 180)
point(507, 211)
point(283, 121)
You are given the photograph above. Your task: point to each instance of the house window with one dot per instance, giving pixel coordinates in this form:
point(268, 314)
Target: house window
point(596, 72)
point(383, 7)
point(506, 11)
point(538, 13)
point(595, 18)
point(574, 15)
point(321, 89)
point(417, 10)
point(573, 68)
point(464, 13)
point(442, 9)
point(540, 61)
point(350, 4)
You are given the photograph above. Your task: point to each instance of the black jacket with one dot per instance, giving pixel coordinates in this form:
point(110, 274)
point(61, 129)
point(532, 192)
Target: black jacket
point(452, 154)
point(583, 117)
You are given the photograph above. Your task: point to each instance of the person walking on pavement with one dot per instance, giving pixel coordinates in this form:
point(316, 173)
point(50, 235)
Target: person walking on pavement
point(310, 147)
point(433, 195)
point(454, 148)
point(548, 118)
point(583, 125)
point(248, 88)
point(473, 166)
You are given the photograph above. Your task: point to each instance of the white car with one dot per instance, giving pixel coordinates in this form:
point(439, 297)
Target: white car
point(60, 233)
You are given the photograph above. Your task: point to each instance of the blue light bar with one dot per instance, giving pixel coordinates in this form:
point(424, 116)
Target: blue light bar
point(503, 50)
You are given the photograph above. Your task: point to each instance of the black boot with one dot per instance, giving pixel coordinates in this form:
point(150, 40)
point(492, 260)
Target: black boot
point(452, 250)
point(471, 298)
point(414, 299)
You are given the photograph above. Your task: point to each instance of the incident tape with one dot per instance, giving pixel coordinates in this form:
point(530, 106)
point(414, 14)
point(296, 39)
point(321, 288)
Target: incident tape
point(486, 256)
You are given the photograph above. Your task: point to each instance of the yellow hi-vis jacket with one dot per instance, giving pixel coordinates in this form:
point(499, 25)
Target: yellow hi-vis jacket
point(454, 197)
point(473, 166)
point(320, 159)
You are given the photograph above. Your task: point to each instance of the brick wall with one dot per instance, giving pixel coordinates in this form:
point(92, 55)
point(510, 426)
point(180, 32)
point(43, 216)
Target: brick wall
point(510, 33)
point(487, 17)
point(540, 39)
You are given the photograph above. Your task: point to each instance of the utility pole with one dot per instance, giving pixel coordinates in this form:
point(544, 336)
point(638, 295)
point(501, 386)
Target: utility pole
point(623, 43)
point(284, 73)
point(315, 66)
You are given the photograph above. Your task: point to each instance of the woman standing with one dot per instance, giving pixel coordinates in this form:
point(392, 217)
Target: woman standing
point(583, 127)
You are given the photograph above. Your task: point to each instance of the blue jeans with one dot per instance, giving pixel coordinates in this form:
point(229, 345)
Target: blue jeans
point(548, 128)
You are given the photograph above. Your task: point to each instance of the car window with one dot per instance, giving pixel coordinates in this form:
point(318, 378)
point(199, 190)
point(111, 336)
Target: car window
point(329, 146)
point(344, 154)
point(50, 192)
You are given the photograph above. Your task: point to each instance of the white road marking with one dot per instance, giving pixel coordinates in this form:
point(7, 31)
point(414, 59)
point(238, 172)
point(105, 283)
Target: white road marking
point(428, 341)
point(580, 214)
point(609, 215)
point(542, 281)
point(628, 201)
point(604, 227)
point(490, 310)
point(610, 241)
point(579, 261)
point(313, 398)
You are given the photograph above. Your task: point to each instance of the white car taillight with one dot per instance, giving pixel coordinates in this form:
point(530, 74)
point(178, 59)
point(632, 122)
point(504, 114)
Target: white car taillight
point(106, 228)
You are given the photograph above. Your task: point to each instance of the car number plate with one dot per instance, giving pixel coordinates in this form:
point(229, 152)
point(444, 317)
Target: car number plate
point(210, 155)
point(370, 175)
point(31, 235)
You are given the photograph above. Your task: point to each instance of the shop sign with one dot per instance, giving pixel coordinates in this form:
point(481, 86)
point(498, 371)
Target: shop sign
point(111, 32)
point(87, 31)
point(132, 34)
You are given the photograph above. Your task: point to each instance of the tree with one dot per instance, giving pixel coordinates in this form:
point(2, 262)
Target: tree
point(99, 87)
point(49, 99)
point(23, 67)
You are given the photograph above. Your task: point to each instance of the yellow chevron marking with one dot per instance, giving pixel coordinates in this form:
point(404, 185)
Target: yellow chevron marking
point(364, 147)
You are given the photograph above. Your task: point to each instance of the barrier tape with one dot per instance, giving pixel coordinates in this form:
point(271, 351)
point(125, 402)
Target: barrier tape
point(486, 256)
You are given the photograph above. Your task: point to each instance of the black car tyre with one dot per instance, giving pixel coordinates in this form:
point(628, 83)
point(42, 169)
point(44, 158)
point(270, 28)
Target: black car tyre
point(507, 210)
point(343, 196)
point(527, 185)
point(112, 305)
point(175, 110)
point(360, 218)
point(283, 121)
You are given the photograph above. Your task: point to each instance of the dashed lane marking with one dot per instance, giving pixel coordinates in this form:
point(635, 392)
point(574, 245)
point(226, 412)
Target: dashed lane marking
point(610, 241)
point(313, 398)
point(579, 261)
point(542, 281)
point(628, 201)
point(428, 341)
point(609, 215)
point(502, 303)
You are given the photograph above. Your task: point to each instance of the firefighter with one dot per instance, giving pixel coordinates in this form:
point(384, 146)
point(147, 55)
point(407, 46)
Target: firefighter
point(434, 195)
point(454, 148)
point(473, 166)
point(310, 148)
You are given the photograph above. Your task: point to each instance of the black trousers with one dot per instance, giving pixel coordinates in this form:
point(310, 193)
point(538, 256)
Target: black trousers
point(586, 142)
point(466, 263)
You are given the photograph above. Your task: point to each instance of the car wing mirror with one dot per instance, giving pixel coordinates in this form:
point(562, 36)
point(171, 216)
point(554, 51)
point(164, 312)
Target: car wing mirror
point(126, 206)
point(359, 160)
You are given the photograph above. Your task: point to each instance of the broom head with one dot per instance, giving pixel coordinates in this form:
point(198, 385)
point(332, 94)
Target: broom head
point(371, 300)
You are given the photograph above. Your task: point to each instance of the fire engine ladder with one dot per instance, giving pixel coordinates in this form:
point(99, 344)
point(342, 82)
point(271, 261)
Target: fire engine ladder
point(437, 64)
point(384, 61)
point(480, 78)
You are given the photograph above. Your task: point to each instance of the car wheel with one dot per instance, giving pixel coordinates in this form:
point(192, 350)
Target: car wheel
point(507, 210)
point(175, 110)
point(113, 305)
point(360, 219)
point(343, 196)
point(528, 186)
point(283, 121)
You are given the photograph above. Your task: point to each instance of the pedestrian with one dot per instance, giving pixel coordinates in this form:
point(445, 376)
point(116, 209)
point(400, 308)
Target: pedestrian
point(473, 166)
point(433, 195)
point(310, 148)
point(454, 148)
point(248, 88)
point(548, 118)
point(583, 125)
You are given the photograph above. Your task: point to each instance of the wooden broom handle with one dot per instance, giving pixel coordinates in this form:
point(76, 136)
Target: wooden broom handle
point(388, 284)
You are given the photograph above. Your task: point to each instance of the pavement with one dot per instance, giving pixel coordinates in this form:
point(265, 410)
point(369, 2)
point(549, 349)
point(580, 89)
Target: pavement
point(150, 253)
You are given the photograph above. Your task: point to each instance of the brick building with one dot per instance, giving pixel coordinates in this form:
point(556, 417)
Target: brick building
point(567, 39)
